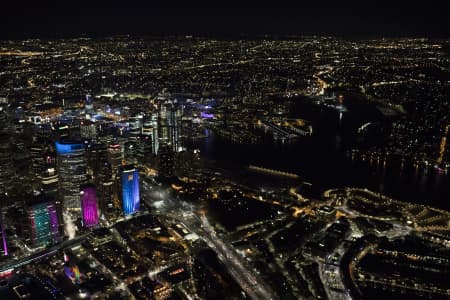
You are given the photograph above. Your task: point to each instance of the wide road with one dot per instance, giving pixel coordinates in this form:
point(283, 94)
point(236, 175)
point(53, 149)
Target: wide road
point(249, 281)
point(254, 286)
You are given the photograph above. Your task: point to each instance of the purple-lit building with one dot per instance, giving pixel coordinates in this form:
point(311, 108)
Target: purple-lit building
point(4, 246)
point(206, 115)
point(89, 207)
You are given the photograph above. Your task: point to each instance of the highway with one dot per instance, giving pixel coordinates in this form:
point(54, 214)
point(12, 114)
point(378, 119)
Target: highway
point(253, 286)
point(250, 283)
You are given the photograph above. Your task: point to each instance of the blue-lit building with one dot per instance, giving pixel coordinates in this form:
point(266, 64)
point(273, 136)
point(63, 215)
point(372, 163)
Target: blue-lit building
point(129, 185)
point(72, 173)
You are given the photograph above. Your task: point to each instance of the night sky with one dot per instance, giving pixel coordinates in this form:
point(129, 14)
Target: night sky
point(66, 18)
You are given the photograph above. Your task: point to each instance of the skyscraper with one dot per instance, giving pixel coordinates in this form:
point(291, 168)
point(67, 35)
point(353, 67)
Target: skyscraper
point(72, 173)
point(49, 181)
point(144, 151)
point(89, 206)
point(101, 173)
point(166, 161)
point(89, 107)
point(130, 152)
point(129, 186)
point(170, 126)
point(88, 130)
point(4, 246)
point(43, 221)
point(6, 165)
point(115, 157)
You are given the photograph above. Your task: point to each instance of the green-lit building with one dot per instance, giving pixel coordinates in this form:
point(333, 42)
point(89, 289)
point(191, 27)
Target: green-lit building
point(43, 221)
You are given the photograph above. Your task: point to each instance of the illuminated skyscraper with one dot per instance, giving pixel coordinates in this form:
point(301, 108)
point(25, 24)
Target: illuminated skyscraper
point(169, 126)
point(89, 206)
point(43, 220)
point(130, 152)
point(88, 130)
point(4, 245)
point(166, 161)
point(72, 173)
point(115, 157)
point(129, 183)
point(154, 135)
point(144, 152)
point(101, 173)
point(49, 181)
point(89, 107)
point(6, 165)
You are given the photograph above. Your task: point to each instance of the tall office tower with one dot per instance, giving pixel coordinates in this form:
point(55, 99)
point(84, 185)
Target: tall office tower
point(106, 194)
point(129, 187)
point(170, 126)
point(166, 161)
point(155, 137)
point(135, 126)
point(96, 156)
point(5, 118)
point(89, 107)
point(42, 131)
point(43, 221)
point(4, 245)
point(89, 207)
point(144, 151)
point(6, 164)
point(72, 173)
point(22, 138)
point(37, 157)
point(130, 152)
point(101, 172)
point(49, 181)
point(147, 128)
point(115, 157)
point(88, 130)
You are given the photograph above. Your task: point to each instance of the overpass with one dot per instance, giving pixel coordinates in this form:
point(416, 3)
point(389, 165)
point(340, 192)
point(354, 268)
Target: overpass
point(44, 253)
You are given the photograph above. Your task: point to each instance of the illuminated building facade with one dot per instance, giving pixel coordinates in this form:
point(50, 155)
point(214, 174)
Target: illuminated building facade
point(72, 173)
point(43, 220)
point(129, 179)
point(89, 107)
point(72, 272)
point(101, 172)
point(49, 181)
point(170, 126)
point(88, 130)
point(89, 206)
point(166, 161)
point(4, 246)
point(115, 157)
point(6, 165)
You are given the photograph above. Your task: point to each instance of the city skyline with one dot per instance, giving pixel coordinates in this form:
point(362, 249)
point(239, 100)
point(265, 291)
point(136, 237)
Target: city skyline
point(178, 151)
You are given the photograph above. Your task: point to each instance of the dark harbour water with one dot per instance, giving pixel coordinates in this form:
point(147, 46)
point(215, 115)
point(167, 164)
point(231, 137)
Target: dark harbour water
point(325, 159)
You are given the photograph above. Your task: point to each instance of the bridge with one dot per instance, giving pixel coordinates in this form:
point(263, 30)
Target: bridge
point(273, 172)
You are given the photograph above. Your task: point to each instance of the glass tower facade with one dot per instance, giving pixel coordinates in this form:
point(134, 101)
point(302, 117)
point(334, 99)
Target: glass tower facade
point(6, 165)
point(43, 220)
point(130, 189)
point(89, 206)
point(72, 173)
